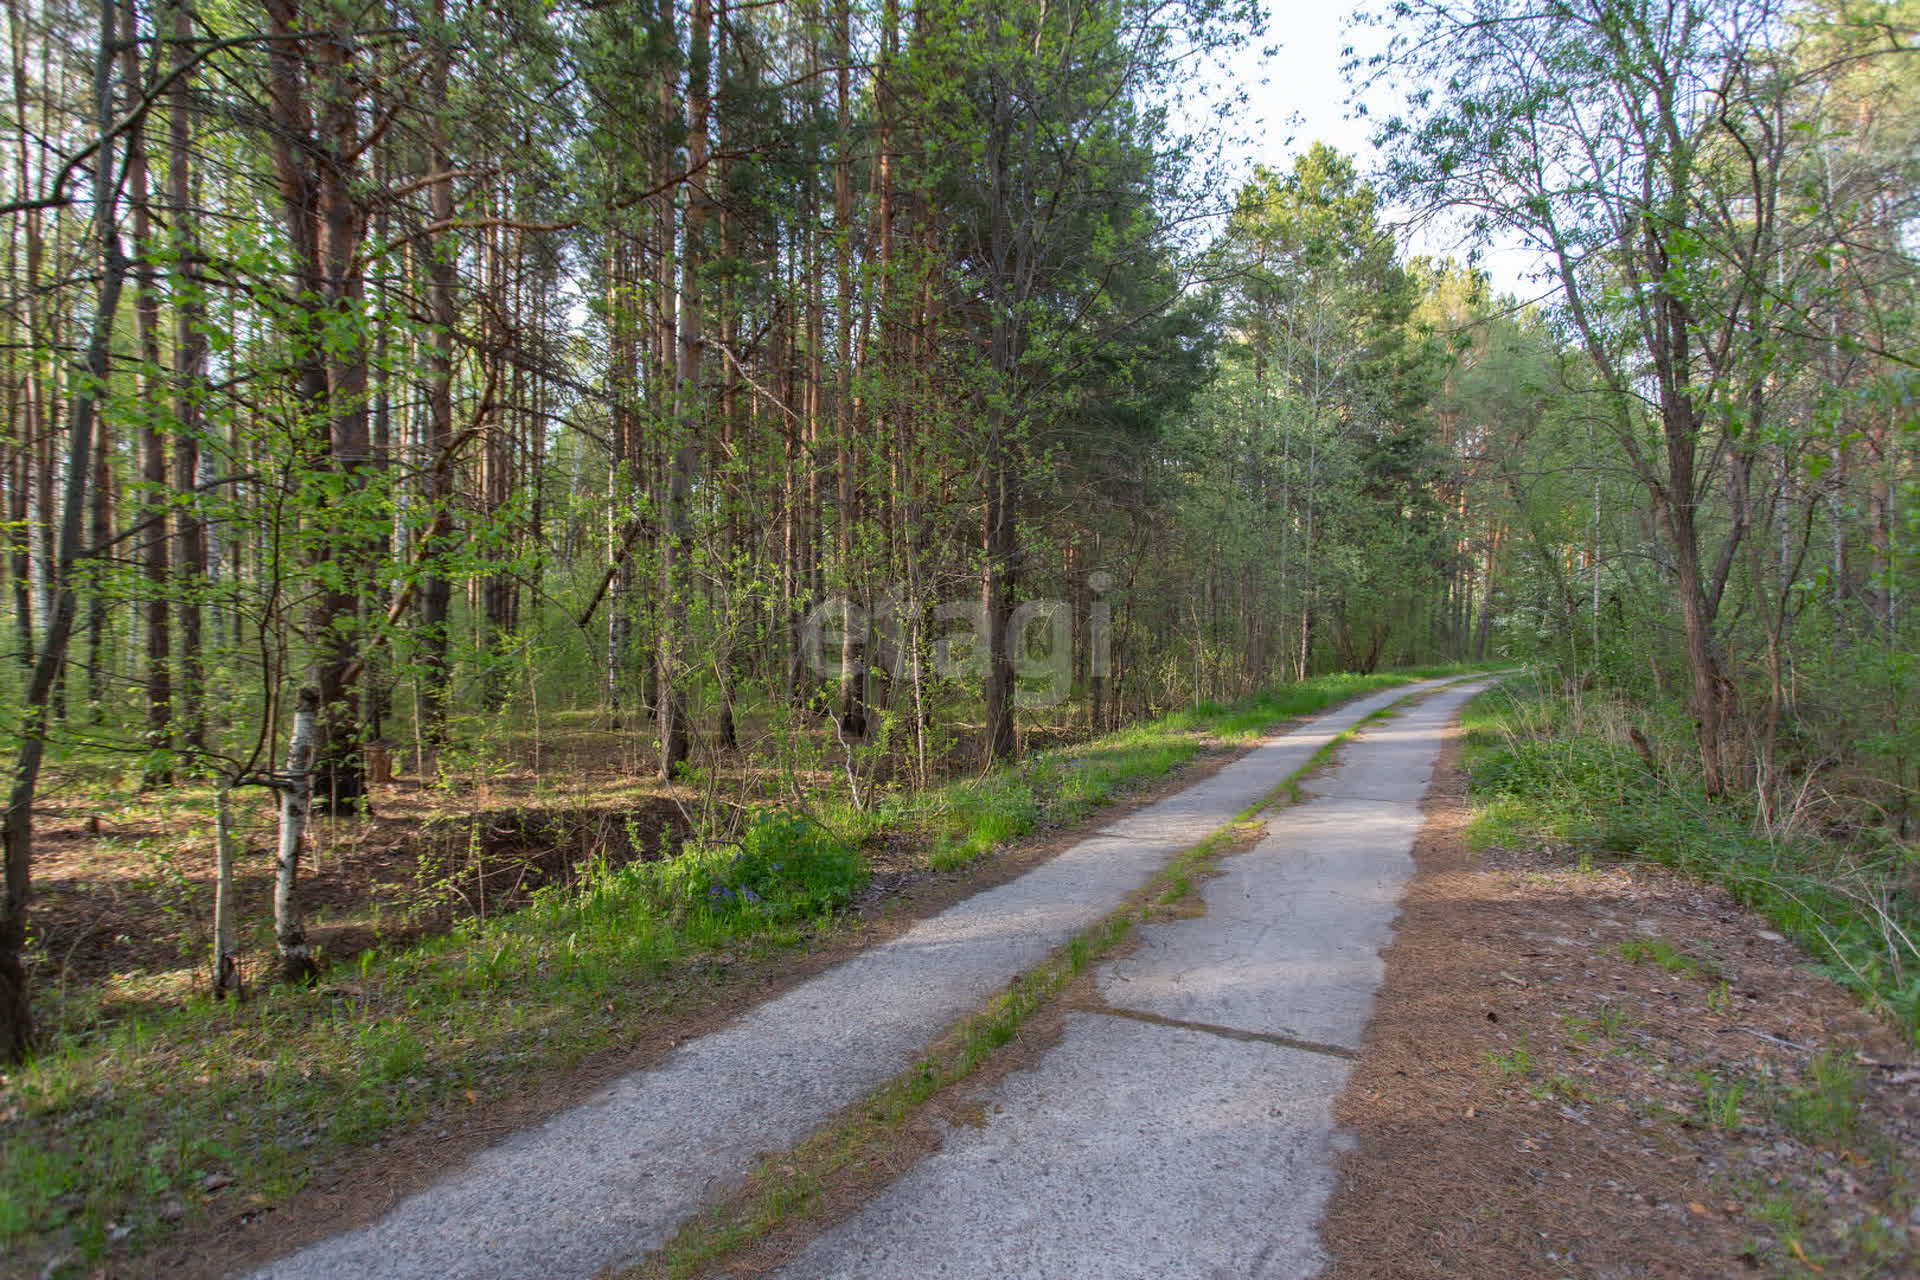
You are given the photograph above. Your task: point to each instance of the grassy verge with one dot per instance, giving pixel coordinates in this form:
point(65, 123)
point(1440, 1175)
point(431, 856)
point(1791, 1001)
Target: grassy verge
point(141, 1117)
point(1543, 768)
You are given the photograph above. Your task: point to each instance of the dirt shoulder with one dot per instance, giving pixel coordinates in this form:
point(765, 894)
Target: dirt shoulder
point(1612, 1072)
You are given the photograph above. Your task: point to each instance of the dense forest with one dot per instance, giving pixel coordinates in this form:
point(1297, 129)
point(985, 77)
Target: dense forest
point(702, 367)
point(387, 379)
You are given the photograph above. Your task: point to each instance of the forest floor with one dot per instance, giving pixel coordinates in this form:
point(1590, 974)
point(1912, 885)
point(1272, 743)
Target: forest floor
point(123, 876)
point(1612, 1070)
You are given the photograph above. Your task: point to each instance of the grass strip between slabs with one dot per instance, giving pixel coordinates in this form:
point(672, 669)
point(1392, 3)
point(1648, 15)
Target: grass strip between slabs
point(791, 1186)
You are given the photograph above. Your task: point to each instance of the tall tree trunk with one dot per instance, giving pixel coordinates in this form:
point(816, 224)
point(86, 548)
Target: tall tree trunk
point(793, 529)
point(624, 356)
point(497, 456)
point(436, 593)
point(16, 826)
point(1487, 587)
point(22, 478)
point(736, 428)
point(1676, 503)
point(189, 371)
point(853, 657)
point(332, 626)
point(153, 441)
point(676, 548)
point(1000, 468)
point(375, 687)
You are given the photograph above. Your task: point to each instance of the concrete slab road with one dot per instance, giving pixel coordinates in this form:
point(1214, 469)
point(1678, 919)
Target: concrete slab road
point(1186, 1130)
point(606, 1183)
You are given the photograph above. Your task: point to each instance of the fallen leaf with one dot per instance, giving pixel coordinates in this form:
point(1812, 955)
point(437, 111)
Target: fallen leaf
point(1698, 1208)
point(1469, 1113)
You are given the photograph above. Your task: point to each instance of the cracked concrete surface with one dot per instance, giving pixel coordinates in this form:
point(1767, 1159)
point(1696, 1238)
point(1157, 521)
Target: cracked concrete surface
point(1199, 1144)
point(603, 1184)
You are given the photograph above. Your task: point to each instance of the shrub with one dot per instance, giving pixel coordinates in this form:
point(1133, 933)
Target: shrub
point(784, 868)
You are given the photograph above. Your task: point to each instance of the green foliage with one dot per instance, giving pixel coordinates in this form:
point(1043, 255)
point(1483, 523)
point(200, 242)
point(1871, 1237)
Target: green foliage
point(784, 868)
point(1515, 1064)
point(1720, 1099)
point(1661, 952)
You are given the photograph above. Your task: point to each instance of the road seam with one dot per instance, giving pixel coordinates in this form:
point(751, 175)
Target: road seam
point(1229, 1033)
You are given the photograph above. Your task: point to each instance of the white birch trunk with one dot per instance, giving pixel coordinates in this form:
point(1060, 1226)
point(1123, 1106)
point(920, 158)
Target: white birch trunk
point(296, 796)
point(226, 966)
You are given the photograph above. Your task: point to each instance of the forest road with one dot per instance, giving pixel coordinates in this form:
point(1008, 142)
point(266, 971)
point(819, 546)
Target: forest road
point(1129, 1145)
point(1183, 1129)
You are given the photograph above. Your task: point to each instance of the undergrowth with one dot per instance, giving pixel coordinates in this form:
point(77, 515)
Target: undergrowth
point(1547, 767)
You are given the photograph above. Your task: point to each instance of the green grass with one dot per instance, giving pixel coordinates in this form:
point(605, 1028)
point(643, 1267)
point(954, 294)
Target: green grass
point(1559, 1087)
point(1720, 1099)
point(132, 1104)
point(1515, 1064)
point(1608, 1021)
point(1544, 769)
point(1826, 1109)
point(1662, 953)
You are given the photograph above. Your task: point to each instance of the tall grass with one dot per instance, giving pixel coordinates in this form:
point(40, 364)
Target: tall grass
point(1552, 767)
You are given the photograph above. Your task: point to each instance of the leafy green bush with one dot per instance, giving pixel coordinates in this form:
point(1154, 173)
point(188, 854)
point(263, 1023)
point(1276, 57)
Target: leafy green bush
point(784, 868)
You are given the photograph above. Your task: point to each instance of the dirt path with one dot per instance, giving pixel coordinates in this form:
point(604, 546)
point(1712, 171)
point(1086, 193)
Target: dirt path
point(1614, 1072)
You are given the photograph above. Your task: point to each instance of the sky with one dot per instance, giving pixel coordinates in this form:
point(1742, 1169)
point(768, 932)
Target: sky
point(1299, 95)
